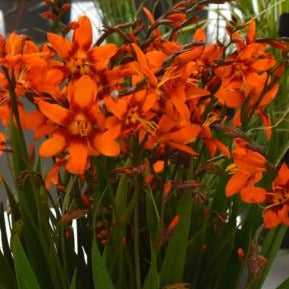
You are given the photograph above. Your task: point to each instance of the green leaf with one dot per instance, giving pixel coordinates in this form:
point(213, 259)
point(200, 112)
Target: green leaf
point(194, 257)
point(101, 278)
point(172, 269)
point(13, 205)
point(152, 278)
point(73, 280)
point(7, 277)
point(270, 248)
point(26, 278)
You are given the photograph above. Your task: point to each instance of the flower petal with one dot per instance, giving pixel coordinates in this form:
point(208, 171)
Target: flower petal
point(106, 143)
point(184, 135)
point(263, 64)
point(118, 107)
point(82, 94)
point(101, 55)
point(56, 113)
point(283, 215)
point(14, 44)
point(52, 176)
point(253, 195)
point(271, 219)
point(251, 34)
point(33, 119)
point(78, 154)
point(236, 183)
point(200, 35)
point(282, 178)
point(2, 142)
point(182, 147)
point(222, 148)
point(83, 34)
point(61, 45)
point(54, 145)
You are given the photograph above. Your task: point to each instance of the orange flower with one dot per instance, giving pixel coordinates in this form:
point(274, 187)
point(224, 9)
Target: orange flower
point(30, 71)
point(277, 199)
point(82, 128)
point(2, 143)
point(176, 137)
point(212, 143)
point(247, 169)
point(53, 174)
point(176, 19)
point(134, 112)
point(158, 42)
point(78, 55)
point(146, 65)
point(245, 74)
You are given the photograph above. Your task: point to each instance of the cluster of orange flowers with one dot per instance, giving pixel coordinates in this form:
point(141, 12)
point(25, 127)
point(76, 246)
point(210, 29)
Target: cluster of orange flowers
point(248, 169)
point(92, 100)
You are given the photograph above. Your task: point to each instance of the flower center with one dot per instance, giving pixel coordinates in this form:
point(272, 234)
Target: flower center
point(79, 64)
point(281, 196)
point(80, 126)
point(134, 117)
point(4, 99)
point(211, 118)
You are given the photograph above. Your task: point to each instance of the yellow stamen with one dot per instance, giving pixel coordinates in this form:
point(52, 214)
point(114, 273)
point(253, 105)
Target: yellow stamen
point(22, 75)
point(148, 125)
point(169, 75)
point(232, 169)
point(80, 126)
point(4, 99)
point(211, 118)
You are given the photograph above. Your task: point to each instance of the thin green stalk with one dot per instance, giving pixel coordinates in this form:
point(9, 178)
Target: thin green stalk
point(63, 254)
point(136, 244)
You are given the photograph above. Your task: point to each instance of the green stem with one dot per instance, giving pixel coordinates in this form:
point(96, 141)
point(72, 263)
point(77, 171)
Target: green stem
point(136, 244)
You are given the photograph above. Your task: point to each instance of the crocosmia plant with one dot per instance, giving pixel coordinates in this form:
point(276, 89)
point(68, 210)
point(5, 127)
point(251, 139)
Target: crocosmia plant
point(151, 165)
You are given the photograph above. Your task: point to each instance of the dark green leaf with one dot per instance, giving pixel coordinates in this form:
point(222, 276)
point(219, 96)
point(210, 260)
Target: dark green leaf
point(26, 278)
point(101, 278)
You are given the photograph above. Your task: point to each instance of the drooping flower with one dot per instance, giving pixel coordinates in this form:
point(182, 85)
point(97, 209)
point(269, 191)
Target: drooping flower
point(178, 137)
point(245, 77)
point(247, 169)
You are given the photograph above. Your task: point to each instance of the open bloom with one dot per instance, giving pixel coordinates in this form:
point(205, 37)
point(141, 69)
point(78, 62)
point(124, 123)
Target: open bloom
point(82, 129)
point(78, 55)
point(134, 112)
point(277, 199)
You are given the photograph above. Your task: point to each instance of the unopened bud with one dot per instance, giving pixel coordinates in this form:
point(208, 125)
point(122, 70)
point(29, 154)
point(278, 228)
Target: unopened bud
point(240, 253)
point(172, 225)
point(65, 7)
point(84, 199)
point(49, 15)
